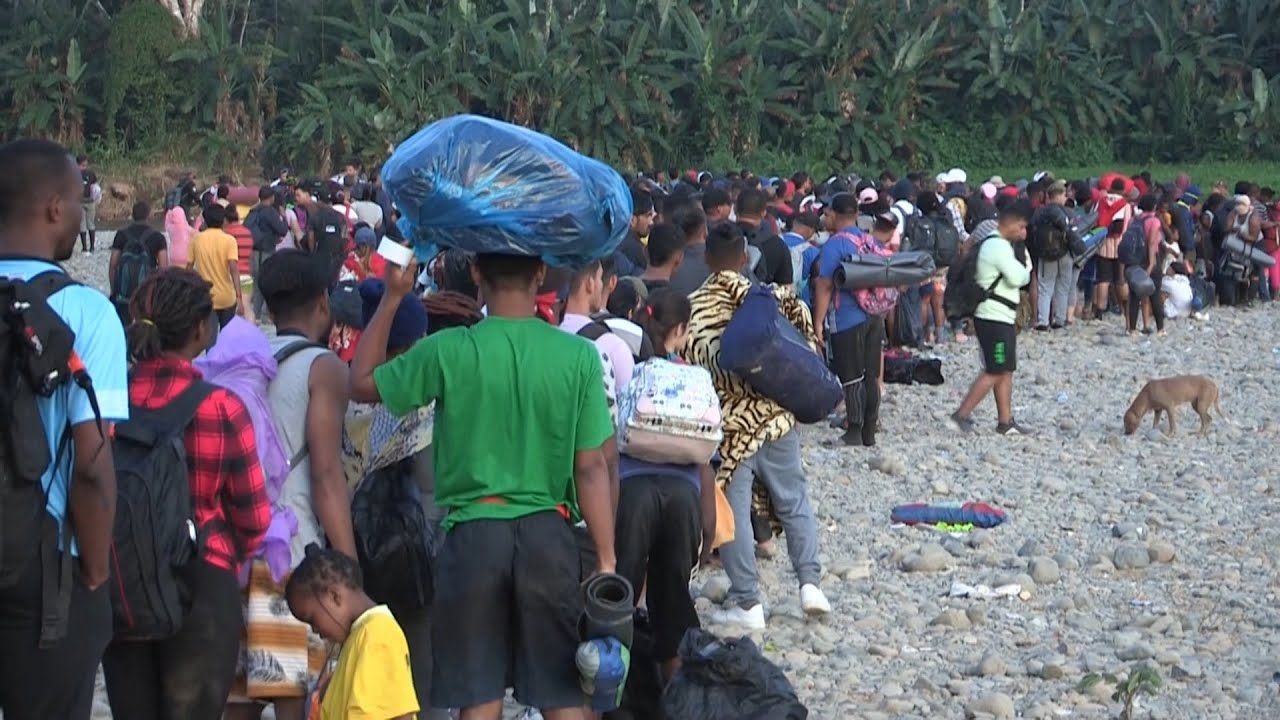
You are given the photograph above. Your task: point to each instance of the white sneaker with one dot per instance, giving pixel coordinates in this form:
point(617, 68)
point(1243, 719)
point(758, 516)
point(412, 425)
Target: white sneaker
point(751, 618)
point(531, 714)
point(812, 601)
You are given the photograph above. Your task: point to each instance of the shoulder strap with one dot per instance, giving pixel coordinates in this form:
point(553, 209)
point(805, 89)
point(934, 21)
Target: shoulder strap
point(176, 415)
point(594, 330)
point(292, 349)
point(989, 293)
point(51, 281)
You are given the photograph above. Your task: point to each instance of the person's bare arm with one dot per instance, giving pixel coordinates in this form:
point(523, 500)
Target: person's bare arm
point(591, 477)
point(112, 265)
point(821, 302)
point(707, 507)
point(1154, 239)
point(610, 449)
point(233, 267)
point(325, 413)
point(162, 259)
point(91, 500)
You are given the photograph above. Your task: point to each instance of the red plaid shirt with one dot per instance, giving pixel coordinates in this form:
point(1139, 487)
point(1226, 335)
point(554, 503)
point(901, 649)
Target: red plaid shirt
point(227, 487)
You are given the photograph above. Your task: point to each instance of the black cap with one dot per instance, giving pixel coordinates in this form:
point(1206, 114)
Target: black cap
point(312, 185)
point(844, 204)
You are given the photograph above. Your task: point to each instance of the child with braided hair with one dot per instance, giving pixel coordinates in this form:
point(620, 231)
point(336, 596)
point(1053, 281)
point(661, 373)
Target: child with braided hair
point(372, 678)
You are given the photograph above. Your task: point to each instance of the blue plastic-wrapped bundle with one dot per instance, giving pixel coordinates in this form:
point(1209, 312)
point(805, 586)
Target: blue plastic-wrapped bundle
point(487, 186)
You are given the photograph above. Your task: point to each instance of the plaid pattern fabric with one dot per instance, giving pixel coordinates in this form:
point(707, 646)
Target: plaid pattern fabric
point(227, 486)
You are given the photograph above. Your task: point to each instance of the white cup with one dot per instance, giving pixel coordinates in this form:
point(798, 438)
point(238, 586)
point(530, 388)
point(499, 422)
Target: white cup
point(395, 252)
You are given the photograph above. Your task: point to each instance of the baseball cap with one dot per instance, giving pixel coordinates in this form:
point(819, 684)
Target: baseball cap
point(365, 236)
point(989, 190)
point(901, 190)
point(868, 196)
point(312, 186)
point(997, 181)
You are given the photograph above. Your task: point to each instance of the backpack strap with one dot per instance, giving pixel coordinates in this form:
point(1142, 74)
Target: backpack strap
point(990, 292)
point(51, 281)
point(281, 356)
point(174, 416)
point(594, 330)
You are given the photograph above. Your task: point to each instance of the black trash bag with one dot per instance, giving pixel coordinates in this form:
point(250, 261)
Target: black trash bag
point(728, 679)
point(908, 324)
point(395, 539)
point(912, 370)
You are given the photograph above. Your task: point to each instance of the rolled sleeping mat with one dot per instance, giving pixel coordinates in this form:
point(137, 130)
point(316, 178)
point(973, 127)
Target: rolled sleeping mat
point(1092, 242)
point(1083, 223)
point(608, 609)
point(859, 272)
point(243, 195)
point(1140, 283)
point(1252, 252)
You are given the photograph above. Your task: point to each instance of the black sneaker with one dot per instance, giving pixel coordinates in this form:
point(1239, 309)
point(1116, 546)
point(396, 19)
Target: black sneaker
point(963, 424)
point(1058, 326)
point(1012, 428)
point(1042, 328)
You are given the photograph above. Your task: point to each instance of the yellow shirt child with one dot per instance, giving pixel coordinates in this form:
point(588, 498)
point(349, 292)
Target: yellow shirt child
point(372, 680)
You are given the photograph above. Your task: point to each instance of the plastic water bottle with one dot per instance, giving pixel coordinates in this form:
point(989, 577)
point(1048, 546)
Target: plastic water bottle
point(1063, 398)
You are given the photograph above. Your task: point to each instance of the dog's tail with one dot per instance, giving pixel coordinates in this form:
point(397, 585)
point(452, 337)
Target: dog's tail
point(1221, 414)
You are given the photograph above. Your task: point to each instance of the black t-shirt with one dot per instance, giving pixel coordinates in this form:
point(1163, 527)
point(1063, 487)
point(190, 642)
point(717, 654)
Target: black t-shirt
point(775, 258)
point(329, 229)
point(150, 238)
point(652, 285)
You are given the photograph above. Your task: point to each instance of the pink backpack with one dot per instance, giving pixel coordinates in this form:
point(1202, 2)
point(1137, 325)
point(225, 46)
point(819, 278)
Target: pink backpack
point(879, 300)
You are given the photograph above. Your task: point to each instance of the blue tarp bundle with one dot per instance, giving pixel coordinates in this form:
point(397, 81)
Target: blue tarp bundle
point(487, 186)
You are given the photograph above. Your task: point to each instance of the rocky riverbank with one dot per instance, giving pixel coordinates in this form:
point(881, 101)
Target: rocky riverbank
point(1126, 550)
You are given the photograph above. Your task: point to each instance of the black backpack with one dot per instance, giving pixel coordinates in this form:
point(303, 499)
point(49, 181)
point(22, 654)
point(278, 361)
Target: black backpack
point(910, 221)
point(963, 294)
point(155, 537)
point(946, 241)
point(89, 178)
point(132, 269)
point(395, 540)
point(1133, 244)
point(37, 358)
point(1049, 242)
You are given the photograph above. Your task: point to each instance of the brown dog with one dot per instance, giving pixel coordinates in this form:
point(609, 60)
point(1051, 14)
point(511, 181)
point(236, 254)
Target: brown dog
point(1166, 394)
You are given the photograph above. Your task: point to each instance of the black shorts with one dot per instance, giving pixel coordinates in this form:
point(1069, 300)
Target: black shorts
point(1109, 270)
point(999, 344)
point(506, 613)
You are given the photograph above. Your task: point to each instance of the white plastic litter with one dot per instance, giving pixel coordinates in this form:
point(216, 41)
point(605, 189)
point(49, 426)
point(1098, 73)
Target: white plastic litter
point(983, 592)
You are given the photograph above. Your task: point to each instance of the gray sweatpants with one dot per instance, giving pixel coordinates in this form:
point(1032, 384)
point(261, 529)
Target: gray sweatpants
point(1054, 285)
point(777, 465)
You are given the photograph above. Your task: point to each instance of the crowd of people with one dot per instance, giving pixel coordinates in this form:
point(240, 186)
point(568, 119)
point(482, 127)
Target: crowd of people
point(496, 389)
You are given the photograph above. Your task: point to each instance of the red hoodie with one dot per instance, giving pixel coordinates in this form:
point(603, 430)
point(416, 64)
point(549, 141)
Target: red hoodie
point(1113, 209)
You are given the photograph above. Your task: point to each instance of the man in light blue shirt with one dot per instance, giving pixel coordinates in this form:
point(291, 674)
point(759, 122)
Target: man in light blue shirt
point(53, 633)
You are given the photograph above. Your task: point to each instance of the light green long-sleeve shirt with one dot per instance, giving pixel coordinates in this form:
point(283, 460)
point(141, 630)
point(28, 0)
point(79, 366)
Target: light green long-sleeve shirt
point(997, 259)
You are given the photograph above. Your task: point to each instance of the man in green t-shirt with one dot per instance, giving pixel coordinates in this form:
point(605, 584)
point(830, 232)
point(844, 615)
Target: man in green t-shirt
point(521, 418)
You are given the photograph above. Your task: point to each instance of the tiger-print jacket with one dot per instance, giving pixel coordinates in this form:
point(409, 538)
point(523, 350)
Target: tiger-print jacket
point(750, 419)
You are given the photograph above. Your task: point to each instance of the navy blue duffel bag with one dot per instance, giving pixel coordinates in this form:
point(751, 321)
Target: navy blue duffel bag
point(760, 346)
